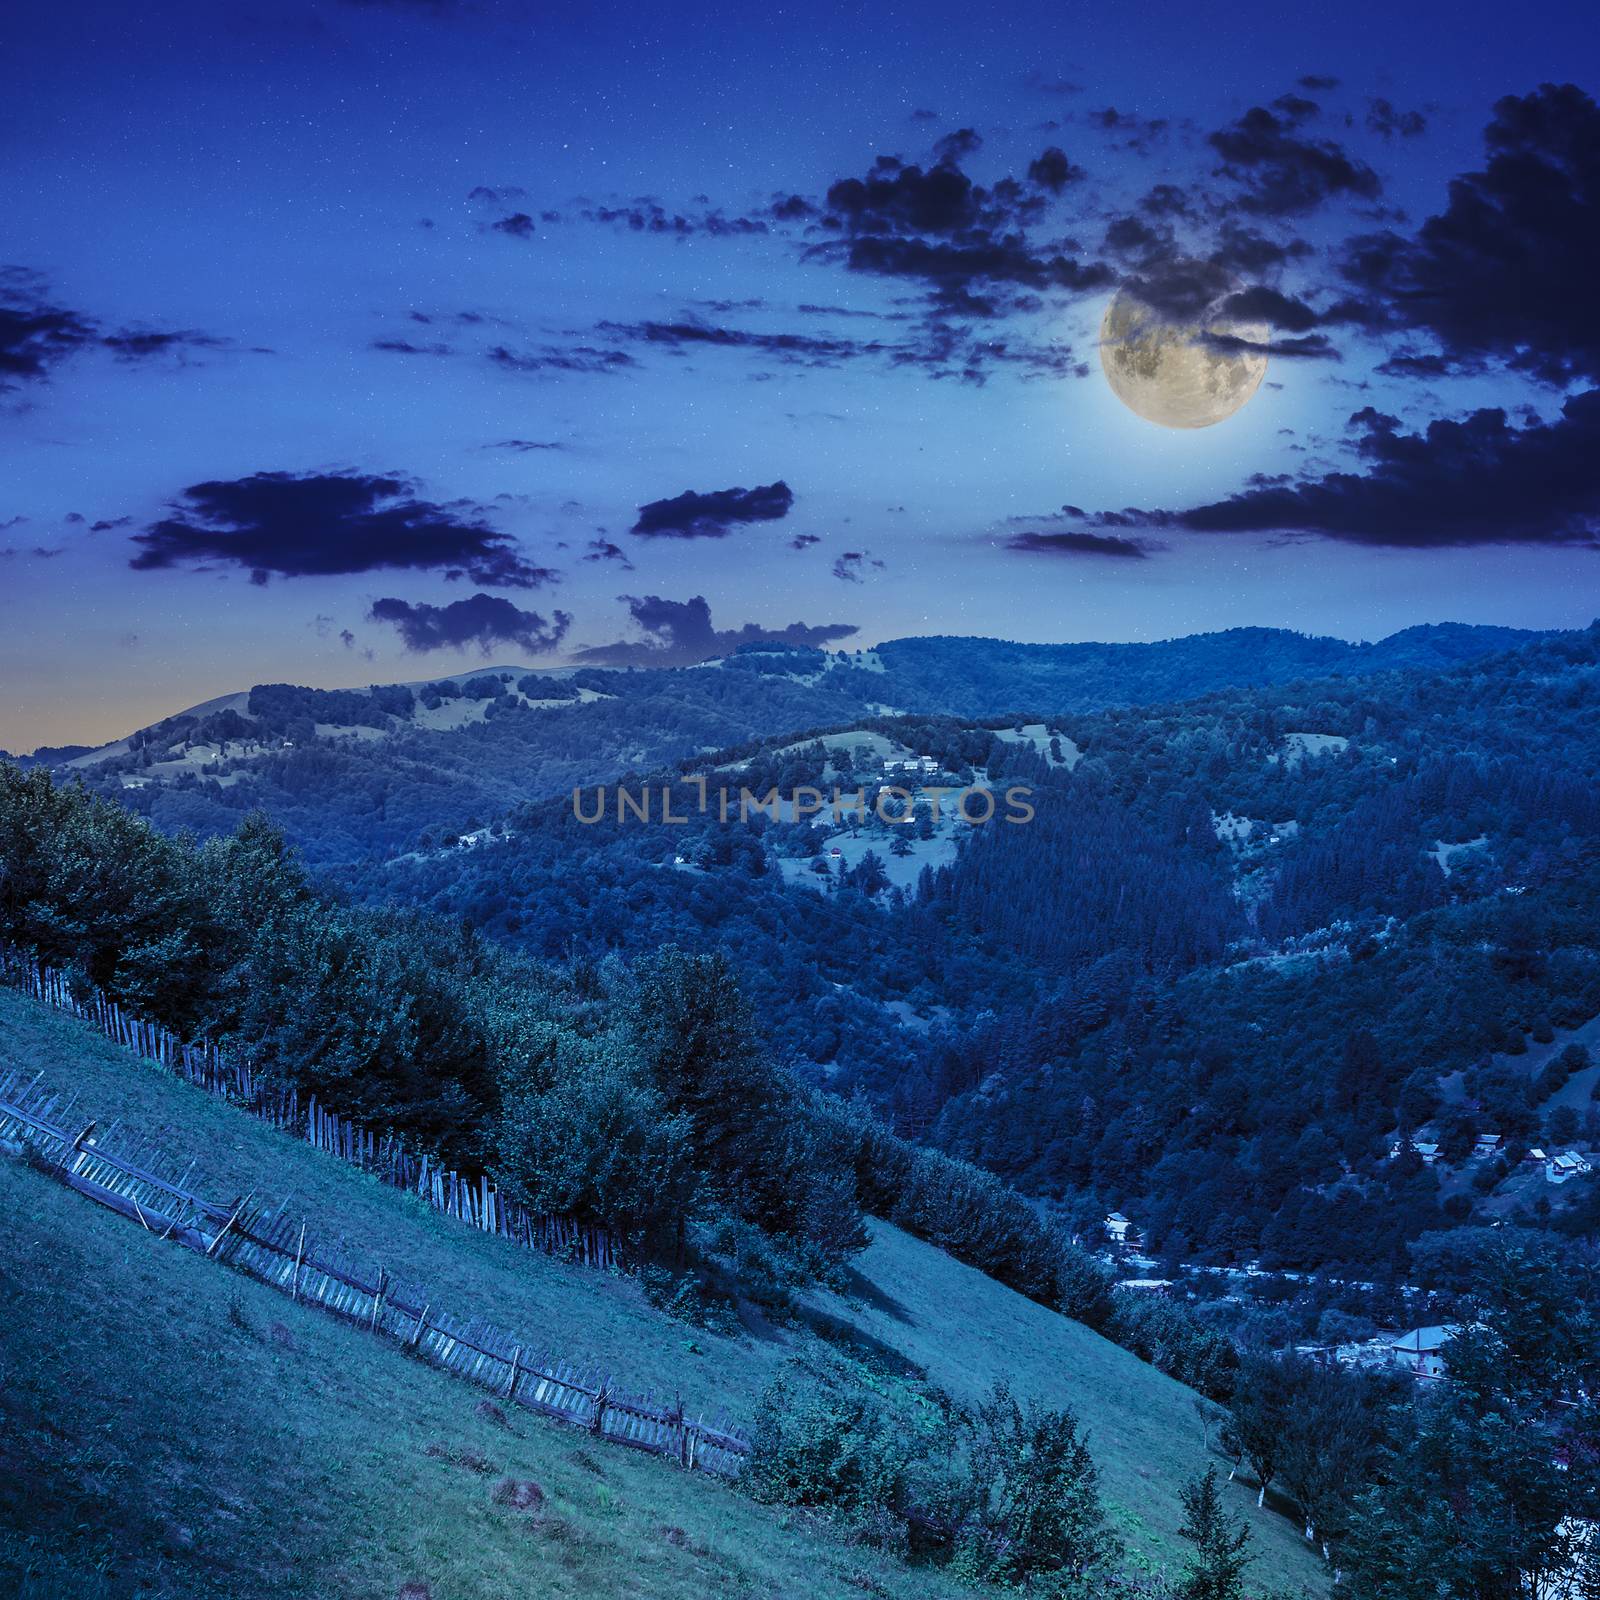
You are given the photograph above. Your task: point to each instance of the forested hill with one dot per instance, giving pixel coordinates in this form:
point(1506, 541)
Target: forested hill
point(985, 677)
point(356, 773)
point(1247, 942)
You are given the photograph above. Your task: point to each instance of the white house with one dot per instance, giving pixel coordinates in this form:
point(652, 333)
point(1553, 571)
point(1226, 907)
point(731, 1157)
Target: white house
point(1567, 1164)
point(1421, 1351)
point(1428, 1152)
point(1117, 1228)
point(1488, 1145)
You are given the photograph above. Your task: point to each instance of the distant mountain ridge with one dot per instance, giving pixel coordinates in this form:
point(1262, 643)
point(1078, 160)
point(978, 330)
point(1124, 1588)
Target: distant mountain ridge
point(1069, 676)
point(1086, 677)
point(355, 772)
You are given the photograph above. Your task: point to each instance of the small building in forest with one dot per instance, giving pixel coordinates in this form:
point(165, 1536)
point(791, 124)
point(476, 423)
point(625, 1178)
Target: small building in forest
point(1421, 1351)
point(1120, 1231)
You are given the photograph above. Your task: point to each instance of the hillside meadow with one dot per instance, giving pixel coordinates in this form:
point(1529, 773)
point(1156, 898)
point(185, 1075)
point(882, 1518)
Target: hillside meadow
point(132, 1317)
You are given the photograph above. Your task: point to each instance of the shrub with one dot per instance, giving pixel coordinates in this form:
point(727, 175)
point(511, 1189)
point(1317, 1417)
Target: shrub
point(1035, 1500)
point(834, 1452)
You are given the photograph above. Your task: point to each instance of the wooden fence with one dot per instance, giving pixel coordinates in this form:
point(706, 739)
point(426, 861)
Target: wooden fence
point(275, 1249)
point(473, 1200)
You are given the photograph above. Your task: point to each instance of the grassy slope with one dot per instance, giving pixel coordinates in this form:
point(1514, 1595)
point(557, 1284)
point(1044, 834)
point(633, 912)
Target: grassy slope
point(961, 1327)
point(174, 1430)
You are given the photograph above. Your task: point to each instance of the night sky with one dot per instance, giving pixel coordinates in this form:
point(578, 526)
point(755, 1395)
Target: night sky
point(359, 342)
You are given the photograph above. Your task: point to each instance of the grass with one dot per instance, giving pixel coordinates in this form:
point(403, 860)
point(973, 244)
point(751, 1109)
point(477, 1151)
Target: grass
point(77, 1280)
point(173, 1430)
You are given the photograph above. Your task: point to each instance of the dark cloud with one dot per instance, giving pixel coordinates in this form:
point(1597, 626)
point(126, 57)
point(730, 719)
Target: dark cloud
point(1389, 122)
point(691, 515)
point(601, 549)
point(1281, 171)
point(1420, 364)
point(955, 237)
point(1476, 481)
point(406, 347)
point(1244, 250)
point(1131, 131)
point(852, 566)
point(37, 335)
point(1317, 83)
point(939, 348)
point(894, 198)
point(483, 620)
point(804, 541)
point(1169, 200)
point(1133, 238)
point(793, 348)
point(1051, 170)
point(298, 525)
point(516, 225)
point(678, 633)
point(1181, 289)
point(650, 216)
point(1506, 272)
point(140, 345)
point(580, 358)
point(955, 147)
point(1304, 347)
point(952, 268)
point(1204, 293)
point(808, 309)
point(523, 446)
point(1080, 544)
point(1261, 304)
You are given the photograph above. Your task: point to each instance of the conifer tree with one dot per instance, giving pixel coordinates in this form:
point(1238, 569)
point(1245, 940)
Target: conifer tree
point(1216, 1569)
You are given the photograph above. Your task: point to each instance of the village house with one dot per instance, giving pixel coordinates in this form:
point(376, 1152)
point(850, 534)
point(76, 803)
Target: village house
point(1119, 1229)
point(1488, 1144)
point(1421, 1351)
point(1566, 1164)
point(1428, 1151)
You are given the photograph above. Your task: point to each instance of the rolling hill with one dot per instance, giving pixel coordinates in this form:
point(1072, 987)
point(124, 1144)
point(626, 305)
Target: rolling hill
point(180, 1399)
point(362, 772)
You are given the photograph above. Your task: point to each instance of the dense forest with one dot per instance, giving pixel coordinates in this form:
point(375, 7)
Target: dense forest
point(1246, 943)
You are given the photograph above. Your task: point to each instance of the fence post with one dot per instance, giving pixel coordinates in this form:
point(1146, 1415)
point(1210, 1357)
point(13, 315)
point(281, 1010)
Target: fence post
point(211, 1248)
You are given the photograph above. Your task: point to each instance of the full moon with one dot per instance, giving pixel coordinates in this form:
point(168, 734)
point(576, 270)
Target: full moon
point(1176, 366)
